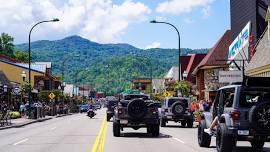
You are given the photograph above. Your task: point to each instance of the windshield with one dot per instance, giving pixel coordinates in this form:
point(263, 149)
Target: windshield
point(249, 97)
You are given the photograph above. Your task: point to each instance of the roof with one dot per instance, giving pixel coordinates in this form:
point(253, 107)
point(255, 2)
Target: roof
point(158, 83)
point(261, 56)
point(34, 66)
point(4, 80)
point(48, 64)
point(173, 73)
point(194, 61)
point(217, 53)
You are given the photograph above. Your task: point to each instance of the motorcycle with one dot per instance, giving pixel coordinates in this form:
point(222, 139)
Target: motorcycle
point(91, 113)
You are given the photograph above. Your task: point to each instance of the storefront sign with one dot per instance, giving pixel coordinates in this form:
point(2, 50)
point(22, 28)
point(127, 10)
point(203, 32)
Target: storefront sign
point(240, 42)
point(230, 76)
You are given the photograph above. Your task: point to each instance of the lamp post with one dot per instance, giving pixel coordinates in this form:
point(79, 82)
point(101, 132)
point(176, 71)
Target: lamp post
point(29, 57)
point(179, 73)
point(23, 75)
point(185, 75)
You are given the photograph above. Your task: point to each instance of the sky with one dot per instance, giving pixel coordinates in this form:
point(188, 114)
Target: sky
point(200, 22)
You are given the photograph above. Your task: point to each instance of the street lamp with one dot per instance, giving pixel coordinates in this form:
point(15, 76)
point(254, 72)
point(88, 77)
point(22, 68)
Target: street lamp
point(185, 75)
point(23, 75)
point(29, 56)
point(179, 73)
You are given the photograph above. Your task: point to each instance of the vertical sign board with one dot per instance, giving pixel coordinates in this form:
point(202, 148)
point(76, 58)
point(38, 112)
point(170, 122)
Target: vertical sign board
point(240, 42)
point(230, 76)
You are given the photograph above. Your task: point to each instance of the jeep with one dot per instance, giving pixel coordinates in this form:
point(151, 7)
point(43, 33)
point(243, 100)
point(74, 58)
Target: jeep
point(136, 111)
point(243, 113)
point(176, 109)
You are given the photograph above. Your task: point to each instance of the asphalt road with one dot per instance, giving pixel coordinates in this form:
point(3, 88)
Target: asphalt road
point(78, 133)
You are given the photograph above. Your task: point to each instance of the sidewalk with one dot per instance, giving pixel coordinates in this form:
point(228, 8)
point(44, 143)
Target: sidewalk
point(20, 122)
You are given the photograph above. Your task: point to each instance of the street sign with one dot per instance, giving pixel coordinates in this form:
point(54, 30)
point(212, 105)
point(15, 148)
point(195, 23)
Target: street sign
point(168, 94)
point(51, 95)
point(230, 76)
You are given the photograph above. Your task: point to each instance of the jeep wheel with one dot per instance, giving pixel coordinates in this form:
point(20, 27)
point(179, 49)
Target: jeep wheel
point(183, 123)
point(259, 116)
point(178, 108)
point(116, 129)
point(225, 142)
point(162, 122)
point(190, 123)
point(257, 144)
point(108, 118)
point(204, 139)
point(155, 130)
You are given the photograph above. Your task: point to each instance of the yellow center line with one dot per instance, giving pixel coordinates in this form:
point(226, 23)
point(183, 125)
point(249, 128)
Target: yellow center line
point(100, 140)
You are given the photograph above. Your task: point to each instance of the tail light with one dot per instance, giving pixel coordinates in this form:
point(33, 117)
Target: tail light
point(154, 110)
point(236, 115)
point(120, 110)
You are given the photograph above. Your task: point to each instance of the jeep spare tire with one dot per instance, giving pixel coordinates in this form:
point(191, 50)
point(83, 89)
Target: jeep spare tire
point(137, 109)
point(259, 116)
point(178, 108)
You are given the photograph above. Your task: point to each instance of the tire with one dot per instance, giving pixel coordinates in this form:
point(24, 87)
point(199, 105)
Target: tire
point(190, 123)
point(178, 108)
point(155, 130)
point(162, 122)
point(108, 118)
point(259, 116)
point(137, 109)
point(225, 142)
point(116, 129)
point(183, 123)
point(204, 139)
point(149, 129)
point(257, 144)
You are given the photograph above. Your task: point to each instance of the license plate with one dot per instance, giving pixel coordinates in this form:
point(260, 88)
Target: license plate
point(169, 117)
point(123, 121)
point(243, 132)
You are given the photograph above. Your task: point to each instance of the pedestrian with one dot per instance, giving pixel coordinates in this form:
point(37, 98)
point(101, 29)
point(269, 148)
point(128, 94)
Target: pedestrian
point(22, 109)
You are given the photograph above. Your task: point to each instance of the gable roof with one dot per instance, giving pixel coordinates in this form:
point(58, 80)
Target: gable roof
point(217, 53)
point(261, 56)
point(173, 73)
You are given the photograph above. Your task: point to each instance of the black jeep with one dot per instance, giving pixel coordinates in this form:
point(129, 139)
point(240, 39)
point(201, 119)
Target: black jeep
point(111, 102)
point(243, 113)
point(136, 111)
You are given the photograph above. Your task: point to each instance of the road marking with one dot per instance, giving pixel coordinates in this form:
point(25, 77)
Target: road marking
point(100, 140)
point(19, 142)
point(179, 140)
point(53, 128)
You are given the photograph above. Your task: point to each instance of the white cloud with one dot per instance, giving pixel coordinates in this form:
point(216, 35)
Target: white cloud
point(206, 11)
point(98, 20)
point(153, 45)
point(182, 6)
point(161, 18)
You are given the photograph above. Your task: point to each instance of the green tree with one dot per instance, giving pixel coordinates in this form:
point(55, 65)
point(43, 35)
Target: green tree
point(22, 56)
point(6, 44)
point(183, 87)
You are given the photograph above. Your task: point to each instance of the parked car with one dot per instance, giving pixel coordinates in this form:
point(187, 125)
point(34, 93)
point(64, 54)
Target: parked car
point(84, 108)
point(176, 109)
point(136, 111)
point(243, 113)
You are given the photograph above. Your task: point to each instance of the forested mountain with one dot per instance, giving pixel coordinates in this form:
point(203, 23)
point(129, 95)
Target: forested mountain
point(110, 67)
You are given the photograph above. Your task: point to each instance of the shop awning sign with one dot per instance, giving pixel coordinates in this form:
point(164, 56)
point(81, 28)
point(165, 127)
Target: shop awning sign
point(230, 76)
point(240, 42)
point(51, 95)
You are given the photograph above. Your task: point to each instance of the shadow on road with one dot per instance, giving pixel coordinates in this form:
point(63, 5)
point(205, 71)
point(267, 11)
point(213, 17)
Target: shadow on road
point(144, 135)
point(178, 126)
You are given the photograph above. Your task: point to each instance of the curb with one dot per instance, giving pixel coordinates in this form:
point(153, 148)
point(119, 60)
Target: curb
point(24, 124)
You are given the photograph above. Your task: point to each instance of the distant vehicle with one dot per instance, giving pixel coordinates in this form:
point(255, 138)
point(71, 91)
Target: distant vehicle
point(99, 95)
point(176, 109)
point(111, 102)
point(97, 106)
point(136, 111)
point(84, 108)
point(243, 113)
point(91, 113)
